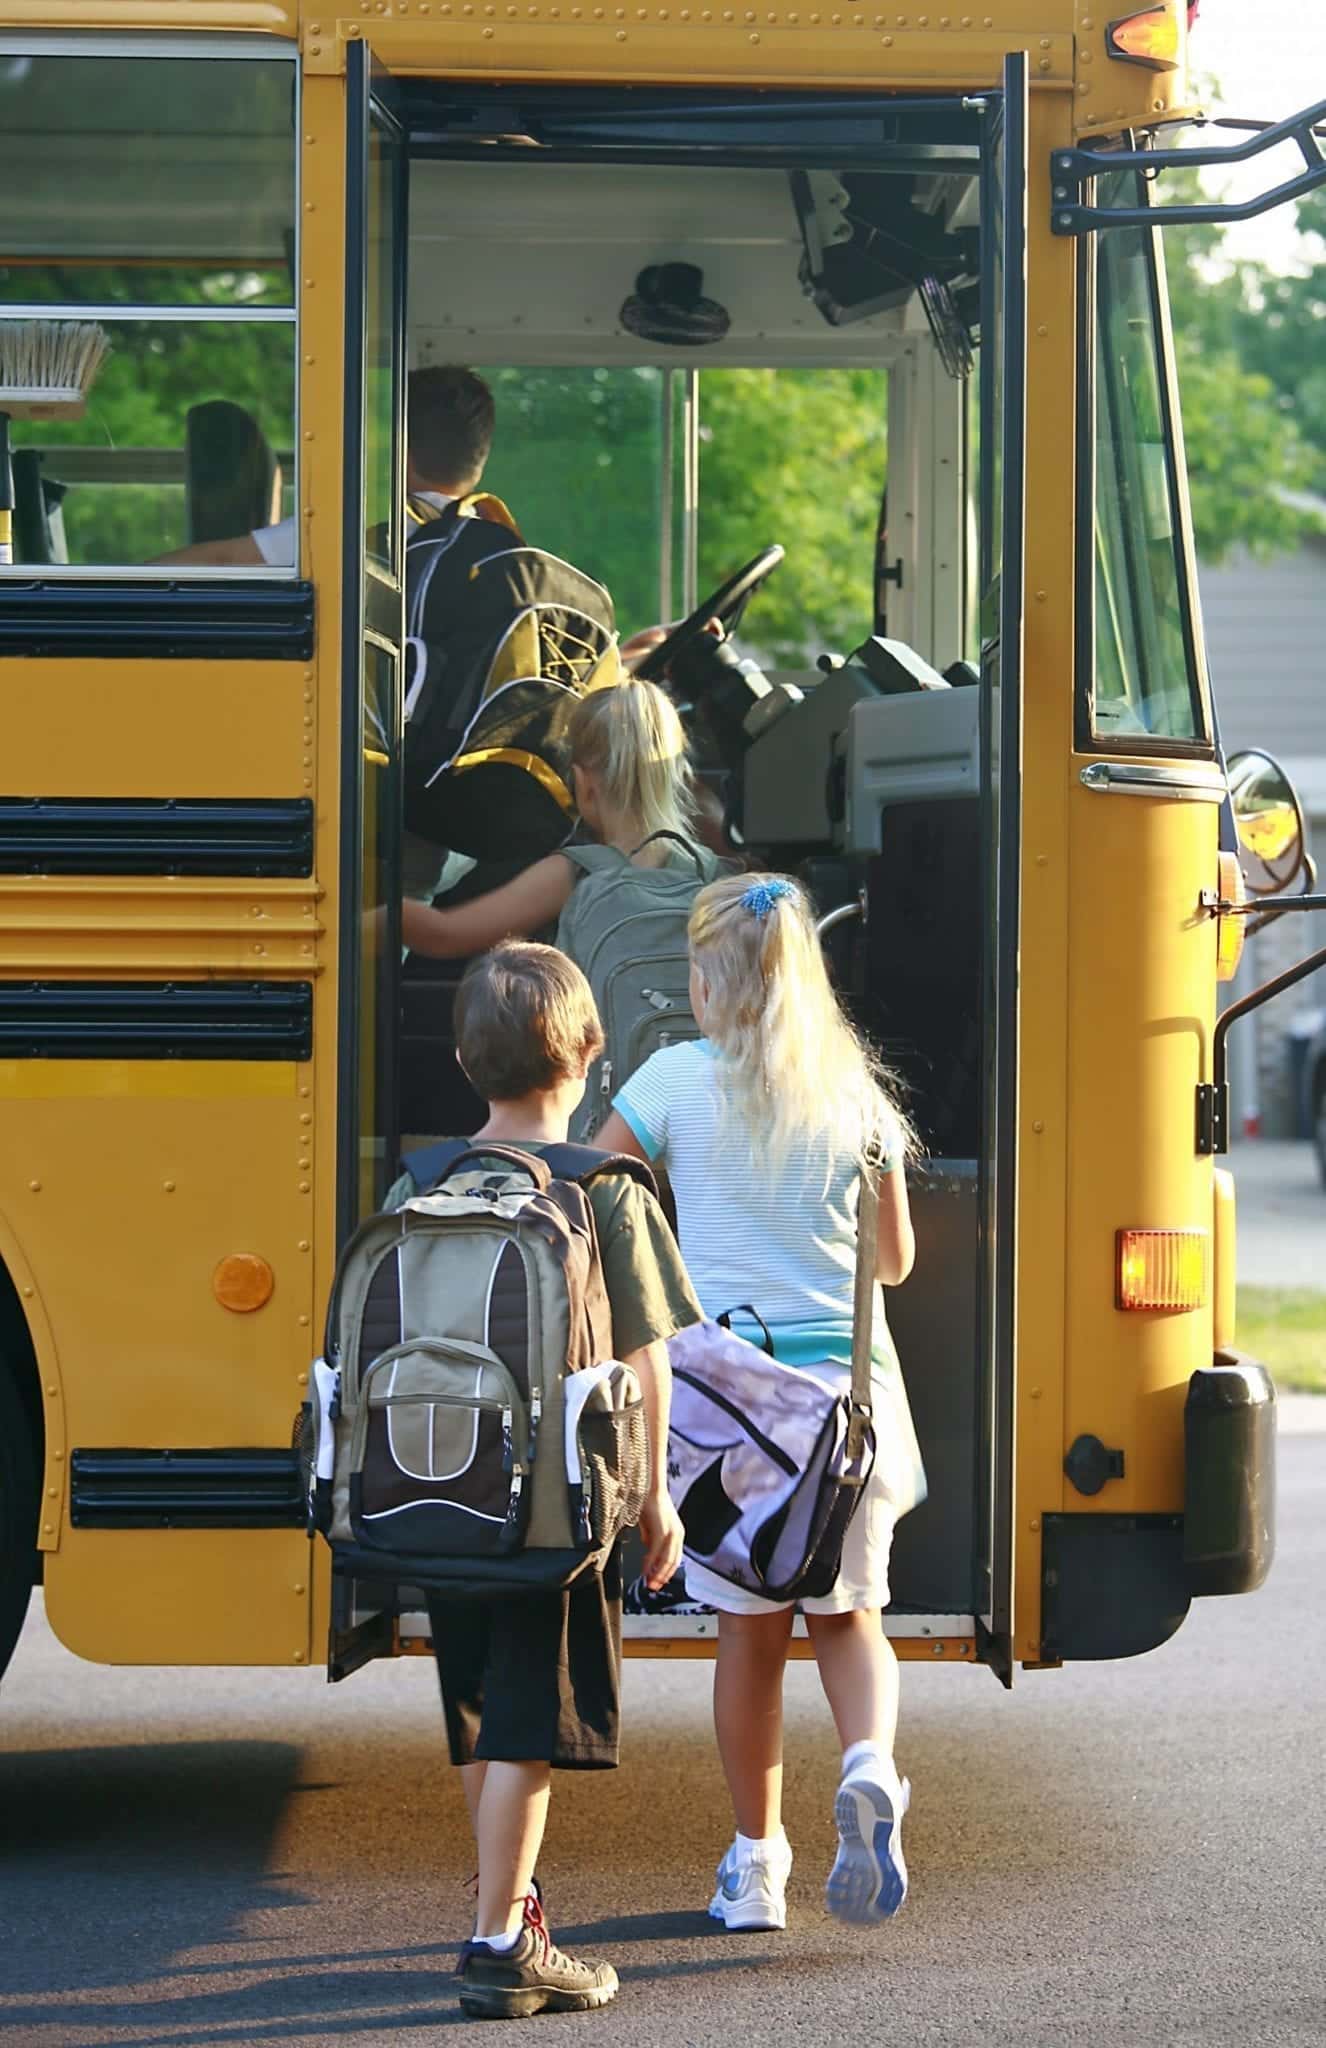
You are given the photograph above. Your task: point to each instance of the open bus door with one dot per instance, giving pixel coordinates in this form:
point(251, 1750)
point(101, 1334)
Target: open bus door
point(1003, 439)
point(372, 640)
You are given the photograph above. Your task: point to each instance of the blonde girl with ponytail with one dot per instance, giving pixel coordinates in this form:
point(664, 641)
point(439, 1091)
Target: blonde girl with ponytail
point(631, 776)
point(764, 1127)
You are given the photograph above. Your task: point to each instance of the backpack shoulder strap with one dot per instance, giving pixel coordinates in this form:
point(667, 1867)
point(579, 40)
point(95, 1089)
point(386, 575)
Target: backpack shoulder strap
point(428, 1164)
point(433, 1163)
point(584, 1163)
point(591, 859)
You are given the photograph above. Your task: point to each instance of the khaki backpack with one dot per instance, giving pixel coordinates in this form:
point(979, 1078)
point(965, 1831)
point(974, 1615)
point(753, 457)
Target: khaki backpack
point(471, 1429)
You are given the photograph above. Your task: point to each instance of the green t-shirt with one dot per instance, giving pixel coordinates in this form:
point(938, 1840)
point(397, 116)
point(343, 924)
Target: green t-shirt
point(649, 1290)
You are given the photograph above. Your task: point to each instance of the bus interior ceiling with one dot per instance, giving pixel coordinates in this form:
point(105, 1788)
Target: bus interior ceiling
point(549, 252)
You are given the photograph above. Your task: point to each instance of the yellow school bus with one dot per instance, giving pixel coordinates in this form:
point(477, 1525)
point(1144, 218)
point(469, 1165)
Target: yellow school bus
point(633, 218)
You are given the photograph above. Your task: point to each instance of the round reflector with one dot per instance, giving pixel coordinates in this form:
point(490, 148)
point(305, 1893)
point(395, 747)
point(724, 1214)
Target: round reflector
point(243, 1282)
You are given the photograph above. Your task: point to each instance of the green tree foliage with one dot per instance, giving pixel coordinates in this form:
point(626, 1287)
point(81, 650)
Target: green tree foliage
point(797, 456)
point(1244, 344)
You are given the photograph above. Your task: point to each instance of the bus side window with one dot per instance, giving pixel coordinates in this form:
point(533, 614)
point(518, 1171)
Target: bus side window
point(186, 261)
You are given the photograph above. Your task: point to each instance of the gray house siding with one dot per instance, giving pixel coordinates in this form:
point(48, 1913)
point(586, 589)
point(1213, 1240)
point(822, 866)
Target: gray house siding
point(1265, 628)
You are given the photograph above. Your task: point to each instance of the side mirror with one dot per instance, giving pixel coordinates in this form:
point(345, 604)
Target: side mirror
point(1269, 818)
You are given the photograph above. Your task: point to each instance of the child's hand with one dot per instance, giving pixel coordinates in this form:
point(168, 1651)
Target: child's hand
point(661, 1534)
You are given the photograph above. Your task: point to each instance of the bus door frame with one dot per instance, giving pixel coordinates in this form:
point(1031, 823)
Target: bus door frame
point(372, 618)
point(1003, 425)
point(372, 626)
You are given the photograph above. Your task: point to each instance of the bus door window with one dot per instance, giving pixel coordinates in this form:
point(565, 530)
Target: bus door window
point(1143, 679)
point(164, 211)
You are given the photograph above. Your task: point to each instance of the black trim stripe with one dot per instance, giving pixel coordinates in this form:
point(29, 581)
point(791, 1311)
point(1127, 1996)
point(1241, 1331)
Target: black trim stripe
point(225, 1489)
point(232, 621)
point(156, 1020)
point(148, 836)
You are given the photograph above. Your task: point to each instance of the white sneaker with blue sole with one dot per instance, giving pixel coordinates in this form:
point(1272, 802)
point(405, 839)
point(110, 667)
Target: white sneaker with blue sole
point(752, 1889)
point(868, 1881)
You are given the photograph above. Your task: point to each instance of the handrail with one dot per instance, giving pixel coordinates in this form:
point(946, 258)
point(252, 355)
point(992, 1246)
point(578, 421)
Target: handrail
point(1071, 169)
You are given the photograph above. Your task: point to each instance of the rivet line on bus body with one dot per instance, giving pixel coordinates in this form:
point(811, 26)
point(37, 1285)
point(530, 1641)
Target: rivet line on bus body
point(1044, 64)
point(1034, 1524)
point(1045, 42)
point(299, 1656)
point(298, 1586)
point(35, 1186)
point(1033, 1393)
point(168, 1186)
point(303, 1324)
point(1087, 22)
point(1084, 56)
point(1038, 1126)
point(27, 1292)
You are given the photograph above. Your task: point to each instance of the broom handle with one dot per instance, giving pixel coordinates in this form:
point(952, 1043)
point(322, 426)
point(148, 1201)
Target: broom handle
point(6, 496)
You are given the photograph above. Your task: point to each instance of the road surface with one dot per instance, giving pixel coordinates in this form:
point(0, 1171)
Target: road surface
point(1120, 1855)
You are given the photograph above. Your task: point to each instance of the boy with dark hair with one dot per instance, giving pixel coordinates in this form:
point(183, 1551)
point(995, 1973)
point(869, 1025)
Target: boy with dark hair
point(531, 1682)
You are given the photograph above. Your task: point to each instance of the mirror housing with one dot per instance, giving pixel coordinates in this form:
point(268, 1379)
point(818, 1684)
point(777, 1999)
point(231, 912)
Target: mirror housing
point(1269, 820)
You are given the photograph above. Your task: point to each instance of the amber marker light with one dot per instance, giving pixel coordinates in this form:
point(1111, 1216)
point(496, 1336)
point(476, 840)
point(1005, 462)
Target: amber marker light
point(1231, 928)
point(1162, 1268)
point(243, 1282)
point(1151, 38)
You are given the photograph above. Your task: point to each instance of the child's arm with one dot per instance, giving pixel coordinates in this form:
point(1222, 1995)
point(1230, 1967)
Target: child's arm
point(895, 1241)
point(515, 911)
point(615, 1135)
point(660, 1524)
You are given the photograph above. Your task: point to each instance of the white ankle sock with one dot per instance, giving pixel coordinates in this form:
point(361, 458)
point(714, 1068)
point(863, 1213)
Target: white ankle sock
point(749, 1847)
point(860, 1752)
point(500, 1943)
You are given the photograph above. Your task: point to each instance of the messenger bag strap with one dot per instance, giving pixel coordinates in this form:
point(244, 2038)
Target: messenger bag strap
point(863, 1310)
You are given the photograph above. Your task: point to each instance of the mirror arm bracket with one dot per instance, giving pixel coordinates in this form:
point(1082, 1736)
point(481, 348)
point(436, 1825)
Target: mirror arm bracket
point(1216, 905)
point(1213, 1095)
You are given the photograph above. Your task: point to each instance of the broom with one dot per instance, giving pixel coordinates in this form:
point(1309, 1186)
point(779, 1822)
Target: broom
point(47, 368)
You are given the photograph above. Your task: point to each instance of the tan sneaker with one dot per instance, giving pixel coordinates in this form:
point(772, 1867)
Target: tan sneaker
point(531, 1976)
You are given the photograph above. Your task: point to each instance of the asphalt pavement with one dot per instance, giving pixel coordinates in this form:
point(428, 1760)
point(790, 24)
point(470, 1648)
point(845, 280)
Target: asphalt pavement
point(1281, 1214)
point(1120, 1854)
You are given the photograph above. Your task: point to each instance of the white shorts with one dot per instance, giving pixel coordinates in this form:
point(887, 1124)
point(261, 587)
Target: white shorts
point(863, 1580)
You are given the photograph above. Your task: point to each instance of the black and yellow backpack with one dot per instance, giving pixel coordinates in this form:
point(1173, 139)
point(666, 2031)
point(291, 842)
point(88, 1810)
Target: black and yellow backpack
point(503, 642)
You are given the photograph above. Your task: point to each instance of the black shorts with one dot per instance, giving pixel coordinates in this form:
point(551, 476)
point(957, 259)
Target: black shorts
point(534, 1677)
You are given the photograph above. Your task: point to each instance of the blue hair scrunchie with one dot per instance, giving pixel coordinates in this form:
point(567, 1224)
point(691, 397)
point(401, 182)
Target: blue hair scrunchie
point(761, 897)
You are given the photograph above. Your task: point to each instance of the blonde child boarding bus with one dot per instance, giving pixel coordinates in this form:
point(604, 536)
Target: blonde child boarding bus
point(631, 779)
point(764, 1126)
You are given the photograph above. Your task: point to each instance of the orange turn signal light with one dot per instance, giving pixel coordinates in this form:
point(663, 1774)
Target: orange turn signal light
point(243, 1282)
point(1163, 1268)
point(1231, 929)
point(1151, 38)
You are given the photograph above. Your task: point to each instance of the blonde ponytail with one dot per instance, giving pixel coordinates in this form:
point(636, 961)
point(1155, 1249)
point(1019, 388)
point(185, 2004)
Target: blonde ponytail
point(631, 738)
point(792, 1069)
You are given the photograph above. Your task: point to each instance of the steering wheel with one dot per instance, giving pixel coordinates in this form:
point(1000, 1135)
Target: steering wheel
point(726, 605)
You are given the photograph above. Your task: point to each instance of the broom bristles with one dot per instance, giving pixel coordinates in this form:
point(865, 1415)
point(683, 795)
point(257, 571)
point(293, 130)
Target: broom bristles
point(49, 362)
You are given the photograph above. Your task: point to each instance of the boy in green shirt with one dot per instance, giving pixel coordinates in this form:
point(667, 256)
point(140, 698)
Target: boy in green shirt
point(531, 1682)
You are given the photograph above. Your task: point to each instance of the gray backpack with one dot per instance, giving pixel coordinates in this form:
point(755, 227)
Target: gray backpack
point(471, 1430)
point(625, 927)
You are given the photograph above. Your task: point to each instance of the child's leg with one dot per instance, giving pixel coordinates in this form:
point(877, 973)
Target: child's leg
point(471, 1778)
point(859, 1673)
point(512, 1811)
point(748, 1716)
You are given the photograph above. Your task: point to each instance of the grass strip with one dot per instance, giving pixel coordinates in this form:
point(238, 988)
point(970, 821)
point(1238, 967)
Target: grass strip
point(1285, 1327)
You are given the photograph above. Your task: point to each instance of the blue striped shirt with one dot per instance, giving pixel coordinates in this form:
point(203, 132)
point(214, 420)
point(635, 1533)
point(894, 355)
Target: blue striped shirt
point(786, 1243)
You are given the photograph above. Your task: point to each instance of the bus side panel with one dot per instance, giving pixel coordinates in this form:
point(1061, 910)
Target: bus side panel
point(1141, 1013)
point(135, 1181)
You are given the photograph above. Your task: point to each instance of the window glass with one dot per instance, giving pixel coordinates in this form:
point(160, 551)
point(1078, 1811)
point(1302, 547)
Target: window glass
point(147, 181)
point(381, 513)
point(186, 439)
point(1142, 676)
point(578, 455)
point(379, 885)
point(163, 214)
point(758, 485)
